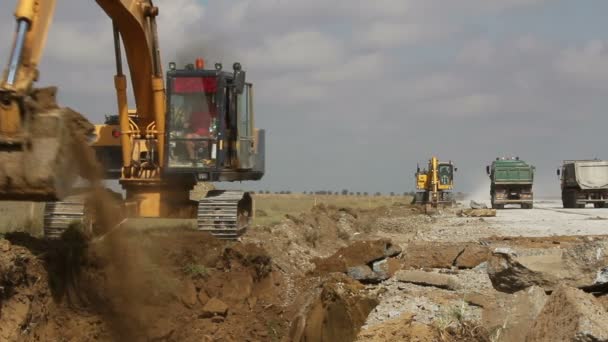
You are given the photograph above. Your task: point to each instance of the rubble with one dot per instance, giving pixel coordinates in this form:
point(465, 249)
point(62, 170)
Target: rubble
point(570, 315)
point(366, 261)
point(477, 213)
point(577, 265)
point(478, 205)
point(428, 279)
point(443, 255)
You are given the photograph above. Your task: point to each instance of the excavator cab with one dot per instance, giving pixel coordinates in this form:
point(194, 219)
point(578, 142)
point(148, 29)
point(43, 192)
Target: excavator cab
point(446, 175)
point(210, 124)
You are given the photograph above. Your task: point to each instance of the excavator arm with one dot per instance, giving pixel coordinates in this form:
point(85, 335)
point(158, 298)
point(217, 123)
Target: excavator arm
point(40, 143)
point(33, 19)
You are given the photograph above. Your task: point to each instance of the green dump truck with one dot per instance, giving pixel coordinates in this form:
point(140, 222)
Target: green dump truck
point(583, 182)
point(511, 182)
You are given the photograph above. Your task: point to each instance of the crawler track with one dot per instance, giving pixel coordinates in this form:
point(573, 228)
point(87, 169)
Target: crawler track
point(58, 216)
point(225, 214)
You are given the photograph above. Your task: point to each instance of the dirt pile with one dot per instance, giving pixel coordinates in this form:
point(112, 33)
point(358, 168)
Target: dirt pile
point(335, 312)
point(153, 285)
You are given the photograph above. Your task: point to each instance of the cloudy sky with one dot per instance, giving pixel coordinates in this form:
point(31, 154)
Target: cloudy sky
point(353, 93)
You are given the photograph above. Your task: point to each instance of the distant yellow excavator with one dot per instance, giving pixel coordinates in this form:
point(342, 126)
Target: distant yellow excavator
point(195, 124)
point(434, 184)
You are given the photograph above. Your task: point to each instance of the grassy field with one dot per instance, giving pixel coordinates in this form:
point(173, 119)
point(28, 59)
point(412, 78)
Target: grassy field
point(271, 208)
point(21, 216)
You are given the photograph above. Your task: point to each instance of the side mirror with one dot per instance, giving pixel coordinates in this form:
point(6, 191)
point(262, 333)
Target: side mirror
point(455, 169)
point(488, 169)
point(559, 172)
point(239, 78)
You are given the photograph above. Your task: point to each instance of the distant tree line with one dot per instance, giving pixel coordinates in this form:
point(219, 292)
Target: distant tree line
point(344, 192)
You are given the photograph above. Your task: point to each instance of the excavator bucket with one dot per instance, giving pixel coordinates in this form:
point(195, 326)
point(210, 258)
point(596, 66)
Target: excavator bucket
point(52, 152)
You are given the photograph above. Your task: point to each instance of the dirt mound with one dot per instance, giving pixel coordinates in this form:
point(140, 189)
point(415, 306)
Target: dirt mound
point(138, 286)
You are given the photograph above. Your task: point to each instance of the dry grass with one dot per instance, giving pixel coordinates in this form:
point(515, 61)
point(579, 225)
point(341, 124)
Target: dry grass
point(272, 208)
point(21, 217)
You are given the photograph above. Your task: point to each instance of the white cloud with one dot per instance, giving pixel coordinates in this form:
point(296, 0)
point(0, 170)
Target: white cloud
point(295, 50)
point(359, 68)
point(586, 64)
point(480, 51)
point(391, 34)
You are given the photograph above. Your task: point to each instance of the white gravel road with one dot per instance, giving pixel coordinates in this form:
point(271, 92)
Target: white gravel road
point(549, 218)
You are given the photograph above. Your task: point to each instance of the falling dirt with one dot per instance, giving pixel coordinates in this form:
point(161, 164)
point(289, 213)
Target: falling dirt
point(136, 287)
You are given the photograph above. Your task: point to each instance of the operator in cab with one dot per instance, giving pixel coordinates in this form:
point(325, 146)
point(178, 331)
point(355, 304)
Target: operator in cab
point(201, 125)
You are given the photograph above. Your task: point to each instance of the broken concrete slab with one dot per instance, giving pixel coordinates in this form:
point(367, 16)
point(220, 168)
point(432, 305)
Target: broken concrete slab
point(428, 279)
point(386, 268)
point(478, 205)
point(570, 315)
point(472, 256)
point(363, 273)
point(444, 255)
point(356, 254)
point(513, 315)
point(577, 265)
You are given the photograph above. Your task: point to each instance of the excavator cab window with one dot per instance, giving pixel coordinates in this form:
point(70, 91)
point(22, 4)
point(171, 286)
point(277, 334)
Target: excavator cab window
point(446, 174)
point(192, 121)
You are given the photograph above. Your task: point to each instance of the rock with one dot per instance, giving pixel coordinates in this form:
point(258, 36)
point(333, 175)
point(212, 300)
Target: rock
point(514, 314)
point(478, 299)
point(477, 213)
point(217, 319)
point(478, 205)
point(514, 269)
point(428, 279)
point(363, 273)
point(570, 315)
point(444, 255)
point(386, 268)
point(431, 255)
point(189, 295)
point(5, 245)
point(356, 254)
point(214, 307)
point(238, 288)
point(202, 297)
point(335, 313)
point(472, 256)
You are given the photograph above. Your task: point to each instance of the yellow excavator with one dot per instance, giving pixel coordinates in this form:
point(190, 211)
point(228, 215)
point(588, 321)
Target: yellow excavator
point(434, 184)
point(192, 124)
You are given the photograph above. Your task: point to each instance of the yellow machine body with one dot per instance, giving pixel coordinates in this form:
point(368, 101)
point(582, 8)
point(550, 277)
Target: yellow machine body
point(434, 183)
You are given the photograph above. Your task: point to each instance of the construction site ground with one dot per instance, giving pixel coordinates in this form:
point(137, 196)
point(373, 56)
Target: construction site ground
point(314, 268)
